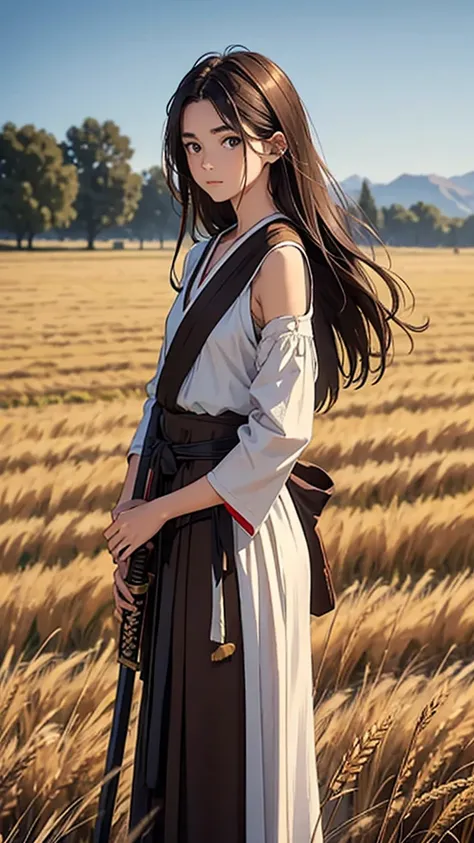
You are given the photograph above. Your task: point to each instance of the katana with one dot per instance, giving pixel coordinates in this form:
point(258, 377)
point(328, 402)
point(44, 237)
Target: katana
point(129, 646)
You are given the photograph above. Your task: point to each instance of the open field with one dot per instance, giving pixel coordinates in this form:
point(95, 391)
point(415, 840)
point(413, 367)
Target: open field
point(80, 334)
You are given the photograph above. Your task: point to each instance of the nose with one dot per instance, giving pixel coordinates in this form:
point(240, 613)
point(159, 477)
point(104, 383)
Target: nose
point(207, 166)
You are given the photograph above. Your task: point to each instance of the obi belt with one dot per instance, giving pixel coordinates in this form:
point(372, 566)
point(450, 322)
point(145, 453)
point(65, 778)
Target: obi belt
point(166, 457)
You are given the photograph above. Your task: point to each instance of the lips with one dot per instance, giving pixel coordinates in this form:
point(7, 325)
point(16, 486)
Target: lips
point(214, 181)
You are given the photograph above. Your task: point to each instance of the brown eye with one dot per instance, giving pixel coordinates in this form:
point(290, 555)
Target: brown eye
point(232, 138)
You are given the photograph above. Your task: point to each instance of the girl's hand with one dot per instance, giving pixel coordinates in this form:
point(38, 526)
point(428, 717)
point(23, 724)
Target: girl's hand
point(120, 588)
point(121, 506)
point(133, 527)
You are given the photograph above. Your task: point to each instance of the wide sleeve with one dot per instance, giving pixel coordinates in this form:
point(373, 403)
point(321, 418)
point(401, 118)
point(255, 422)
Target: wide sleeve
point(136, 445)
point(280, 423)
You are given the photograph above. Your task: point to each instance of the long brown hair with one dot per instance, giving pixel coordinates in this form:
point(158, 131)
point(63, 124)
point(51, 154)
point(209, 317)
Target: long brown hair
point(246, 86)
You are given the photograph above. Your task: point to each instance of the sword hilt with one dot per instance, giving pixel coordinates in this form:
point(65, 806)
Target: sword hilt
point(131, 628)
point(137, 579)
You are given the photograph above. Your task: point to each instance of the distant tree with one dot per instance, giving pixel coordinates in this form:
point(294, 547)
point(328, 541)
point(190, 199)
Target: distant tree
point(37, 189)
point(430, 227)
point(466, 234)
point(453, 227)
point(154, 208)
point(109, 192)
point(399, 225)
point(367, 204)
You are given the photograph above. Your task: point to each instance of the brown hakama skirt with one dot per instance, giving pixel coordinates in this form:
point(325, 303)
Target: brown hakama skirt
point(190, 749)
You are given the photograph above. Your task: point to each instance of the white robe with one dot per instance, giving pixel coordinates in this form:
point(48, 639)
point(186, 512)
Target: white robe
point(268, 375)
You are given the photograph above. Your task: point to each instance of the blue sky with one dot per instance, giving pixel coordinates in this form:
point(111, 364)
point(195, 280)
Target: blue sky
point(387, 85)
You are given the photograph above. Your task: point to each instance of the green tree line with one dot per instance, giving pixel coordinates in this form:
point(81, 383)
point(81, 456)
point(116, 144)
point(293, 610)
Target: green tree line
point(421, 224)
point(84, 187)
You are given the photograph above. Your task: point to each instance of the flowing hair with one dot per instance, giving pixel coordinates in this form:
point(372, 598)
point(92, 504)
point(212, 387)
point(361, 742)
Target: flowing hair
point(246, 86)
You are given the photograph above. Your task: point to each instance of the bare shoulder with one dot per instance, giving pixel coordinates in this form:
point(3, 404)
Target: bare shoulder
point(281, 284)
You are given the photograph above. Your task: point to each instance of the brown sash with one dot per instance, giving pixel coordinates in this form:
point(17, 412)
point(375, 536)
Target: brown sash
point(213, 301)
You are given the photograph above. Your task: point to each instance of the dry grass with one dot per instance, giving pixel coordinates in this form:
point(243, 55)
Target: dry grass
point(80, 335)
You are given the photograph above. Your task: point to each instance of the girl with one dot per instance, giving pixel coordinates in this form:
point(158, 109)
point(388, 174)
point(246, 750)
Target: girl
point(225, 745)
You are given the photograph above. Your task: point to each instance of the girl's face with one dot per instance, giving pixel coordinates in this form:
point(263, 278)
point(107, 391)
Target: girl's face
point(215, 153)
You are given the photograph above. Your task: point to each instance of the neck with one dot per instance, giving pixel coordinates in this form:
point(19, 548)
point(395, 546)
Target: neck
point(255, 204)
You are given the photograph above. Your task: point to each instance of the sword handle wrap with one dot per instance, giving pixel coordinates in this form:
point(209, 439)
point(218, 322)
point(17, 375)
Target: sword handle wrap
point(131, 628)
point(137, 579)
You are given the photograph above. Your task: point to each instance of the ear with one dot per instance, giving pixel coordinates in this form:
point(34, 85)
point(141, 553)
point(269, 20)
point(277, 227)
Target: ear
point(277, 146)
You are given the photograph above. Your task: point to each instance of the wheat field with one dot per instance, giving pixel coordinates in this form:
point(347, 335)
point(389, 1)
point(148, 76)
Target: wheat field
point(394, 686)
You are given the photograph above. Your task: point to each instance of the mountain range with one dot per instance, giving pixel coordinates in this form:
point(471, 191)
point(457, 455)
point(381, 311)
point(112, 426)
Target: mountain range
point(454, 196)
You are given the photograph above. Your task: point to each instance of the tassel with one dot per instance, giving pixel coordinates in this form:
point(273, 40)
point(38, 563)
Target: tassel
point(223, 652)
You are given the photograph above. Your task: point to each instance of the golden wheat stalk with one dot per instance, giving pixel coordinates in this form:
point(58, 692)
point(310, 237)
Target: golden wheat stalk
point(369, 609)
point(437, 760)
point(447, 789)
point(356, 757)
point(9, 782)
point(427, 714)
point(353, 761)
point(453, 811)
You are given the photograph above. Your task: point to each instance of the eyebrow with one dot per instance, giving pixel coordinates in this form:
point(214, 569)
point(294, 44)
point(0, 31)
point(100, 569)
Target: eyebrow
point(216, 131)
